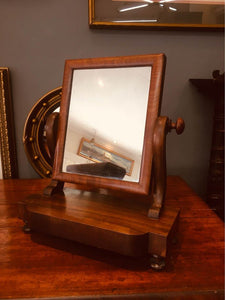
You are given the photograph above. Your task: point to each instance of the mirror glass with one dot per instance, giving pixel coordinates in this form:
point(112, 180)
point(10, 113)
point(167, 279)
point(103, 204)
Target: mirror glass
point(106, 122)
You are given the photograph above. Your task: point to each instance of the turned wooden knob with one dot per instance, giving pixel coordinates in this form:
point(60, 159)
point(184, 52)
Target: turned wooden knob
point(179, 125)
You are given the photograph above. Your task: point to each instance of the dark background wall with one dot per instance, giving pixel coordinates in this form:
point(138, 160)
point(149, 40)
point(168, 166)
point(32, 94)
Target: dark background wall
point(37, 36)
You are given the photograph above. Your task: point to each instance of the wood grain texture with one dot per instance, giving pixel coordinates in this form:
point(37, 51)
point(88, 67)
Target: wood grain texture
point(102, 220)
point(39, 266)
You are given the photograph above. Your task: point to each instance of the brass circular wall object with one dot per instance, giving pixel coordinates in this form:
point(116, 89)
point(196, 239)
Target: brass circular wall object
point(34, 134)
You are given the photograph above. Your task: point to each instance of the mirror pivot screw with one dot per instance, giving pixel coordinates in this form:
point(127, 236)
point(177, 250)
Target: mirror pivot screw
point(178, 126)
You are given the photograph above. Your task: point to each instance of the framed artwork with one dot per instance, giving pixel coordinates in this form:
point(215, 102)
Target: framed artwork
point(164, 14)
point(98, 153)
point(8, 157)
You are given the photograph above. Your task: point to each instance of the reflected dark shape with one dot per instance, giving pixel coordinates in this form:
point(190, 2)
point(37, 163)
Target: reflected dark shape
point(106, 169)
point(98, 153)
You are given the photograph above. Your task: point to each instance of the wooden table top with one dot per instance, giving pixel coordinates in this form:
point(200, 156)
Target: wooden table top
point(39, 266)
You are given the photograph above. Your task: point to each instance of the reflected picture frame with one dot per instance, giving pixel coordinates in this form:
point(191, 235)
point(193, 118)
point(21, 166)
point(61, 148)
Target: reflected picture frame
point(165, 14)
point(8, 155)
point(100, 153)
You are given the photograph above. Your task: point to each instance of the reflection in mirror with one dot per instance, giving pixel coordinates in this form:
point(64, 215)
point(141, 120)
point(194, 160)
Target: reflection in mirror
point(106, 122)
point(8, 158)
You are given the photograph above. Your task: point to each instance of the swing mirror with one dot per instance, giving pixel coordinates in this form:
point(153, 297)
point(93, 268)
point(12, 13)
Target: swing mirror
point(108, 111)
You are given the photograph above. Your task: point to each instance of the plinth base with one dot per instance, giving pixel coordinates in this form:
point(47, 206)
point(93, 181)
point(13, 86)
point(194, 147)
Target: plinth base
point(103, 221)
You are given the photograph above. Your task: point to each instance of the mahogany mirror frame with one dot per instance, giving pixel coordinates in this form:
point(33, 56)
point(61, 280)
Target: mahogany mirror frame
point(157, 64)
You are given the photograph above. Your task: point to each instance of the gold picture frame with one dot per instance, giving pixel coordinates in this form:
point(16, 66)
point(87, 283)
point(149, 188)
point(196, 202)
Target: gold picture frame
point(157, 14)
point(9, 168)
point(104, 154)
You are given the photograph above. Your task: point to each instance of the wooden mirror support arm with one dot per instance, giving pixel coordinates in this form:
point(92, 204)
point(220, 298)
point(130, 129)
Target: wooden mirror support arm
point(55, 187)
point(163, 125)
point(51, 128)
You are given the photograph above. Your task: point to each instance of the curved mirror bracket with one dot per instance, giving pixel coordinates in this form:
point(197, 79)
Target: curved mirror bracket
point(162, 127)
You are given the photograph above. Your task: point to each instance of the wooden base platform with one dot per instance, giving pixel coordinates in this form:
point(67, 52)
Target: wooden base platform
point(40, 266)
point(103, 221)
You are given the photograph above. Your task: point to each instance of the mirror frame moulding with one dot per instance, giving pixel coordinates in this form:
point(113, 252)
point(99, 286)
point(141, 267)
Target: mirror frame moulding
point(157, 62)
point(7, 130)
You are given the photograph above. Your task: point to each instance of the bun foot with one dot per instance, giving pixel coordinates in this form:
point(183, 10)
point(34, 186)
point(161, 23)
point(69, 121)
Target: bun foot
point(157, 263)
point(26, 228)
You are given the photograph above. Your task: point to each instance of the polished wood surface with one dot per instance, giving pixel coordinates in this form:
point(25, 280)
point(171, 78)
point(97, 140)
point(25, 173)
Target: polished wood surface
point(116, 223)
point(163, 125)
point(39, 266)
